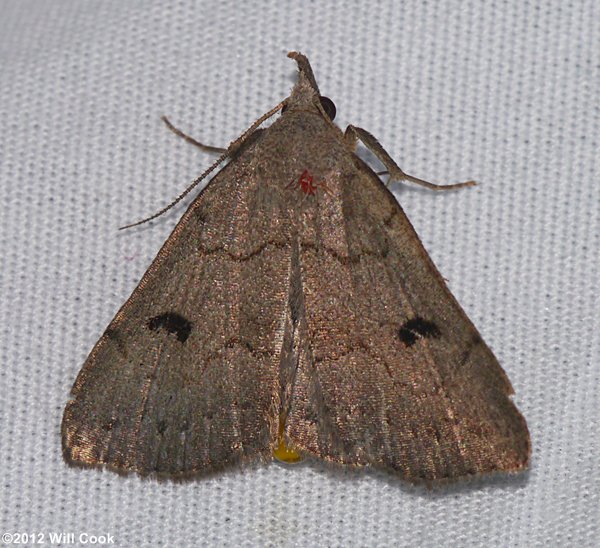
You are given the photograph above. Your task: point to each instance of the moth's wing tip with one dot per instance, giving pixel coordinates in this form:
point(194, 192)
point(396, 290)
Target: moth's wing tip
point(498, 476)
point(516, 472)
point(182, 476)
point(99, 465)
point(522, 440)
point(524, 462)
point(499, 479)
point(65, 428)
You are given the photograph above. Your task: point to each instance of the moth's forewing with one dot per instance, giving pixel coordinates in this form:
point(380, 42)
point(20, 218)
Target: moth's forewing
point(392, 373)
point(186, 377)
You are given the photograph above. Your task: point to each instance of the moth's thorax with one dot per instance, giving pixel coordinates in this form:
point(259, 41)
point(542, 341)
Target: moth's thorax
point(301, 147)
point(303, 96)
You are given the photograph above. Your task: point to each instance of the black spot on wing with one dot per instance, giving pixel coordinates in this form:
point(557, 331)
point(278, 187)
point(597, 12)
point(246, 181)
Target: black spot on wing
point(116, 338)
point(416, 328)
point(173, 323)
point(407, 337)
point(423, 327)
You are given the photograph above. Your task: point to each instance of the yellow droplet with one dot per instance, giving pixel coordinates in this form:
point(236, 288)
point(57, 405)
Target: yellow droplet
point(283, 453)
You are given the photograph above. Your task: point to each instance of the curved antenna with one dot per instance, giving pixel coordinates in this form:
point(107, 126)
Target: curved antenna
point(230, 150)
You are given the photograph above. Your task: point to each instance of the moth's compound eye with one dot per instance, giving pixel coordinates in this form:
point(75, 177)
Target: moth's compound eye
point(326, 103)
point(328, 106)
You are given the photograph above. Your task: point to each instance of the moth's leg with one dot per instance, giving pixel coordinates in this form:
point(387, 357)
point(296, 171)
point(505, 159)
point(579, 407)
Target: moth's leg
point(353, 134)
point(205, 148)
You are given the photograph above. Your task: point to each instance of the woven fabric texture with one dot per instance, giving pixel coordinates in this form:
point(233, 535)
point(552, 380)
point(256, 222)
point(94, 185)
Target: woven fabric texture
point(502, 92)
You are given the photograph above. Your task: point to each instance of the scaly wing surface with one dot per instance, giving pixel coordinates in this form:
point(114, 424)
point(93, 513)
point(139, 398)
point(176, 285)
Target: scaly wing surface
point(186, 377)
point(391, 372)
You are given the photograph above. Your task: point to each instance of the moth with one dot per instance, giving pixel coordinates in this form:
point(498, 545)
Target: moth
point(294, 312)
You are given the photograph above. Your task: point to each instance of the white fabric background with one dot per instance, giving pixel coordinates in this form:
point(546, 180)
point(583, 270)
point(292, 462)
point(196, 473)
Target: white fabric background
point(502, 92)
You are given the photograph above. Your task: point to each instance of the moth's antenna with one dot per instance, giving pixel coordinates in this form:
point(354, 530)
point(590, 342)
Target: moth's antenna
point(182, 195)
point(232, 147)
point(191, 140)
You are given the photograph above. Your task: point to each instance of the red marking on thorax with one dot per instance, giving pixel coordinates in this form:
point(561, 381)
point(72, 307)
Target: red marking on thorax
point(306, 184)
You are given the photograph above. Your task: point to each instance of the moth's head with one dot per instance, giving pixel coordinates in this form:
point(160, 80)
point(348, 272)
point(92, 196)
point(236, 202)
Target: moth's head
point(305, 95)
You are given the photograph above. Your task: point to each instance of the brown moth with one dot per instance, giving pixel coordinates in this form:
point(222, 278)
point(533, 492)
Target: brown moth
point(294, 311)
